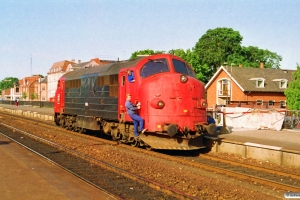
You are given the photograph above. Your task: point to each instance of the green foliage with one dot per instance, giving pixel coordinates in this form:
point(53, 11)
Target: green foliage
point(32, 96)
point(292, 93)
point(252, 57)
point(8, 82)
point(223, 45)
point(24, 95)
point(144, 52)
point(40, 75)
point(216, 45)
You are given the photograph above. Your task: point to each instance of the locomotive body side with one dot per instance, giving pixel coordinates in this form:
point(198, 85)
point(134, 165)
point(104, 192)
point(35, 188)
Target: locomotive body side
point(90, 95)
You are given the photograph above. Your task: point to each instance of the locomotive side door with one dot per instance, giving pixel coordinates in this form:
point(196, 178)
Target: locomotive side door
point(124, 88)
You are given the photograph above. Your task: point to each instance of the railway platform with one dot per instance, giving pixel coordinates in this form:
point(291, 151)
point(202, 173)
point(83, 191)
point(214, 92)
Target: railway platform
point(42, 110)
point(24, 175)
point(288, 139)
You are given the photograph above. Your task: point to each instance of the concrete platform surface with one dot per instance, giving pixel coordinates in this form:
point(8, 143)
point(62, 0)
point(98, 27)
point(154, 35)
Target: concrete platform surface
point(24, 175)
point(286, 138)
point(42, 110)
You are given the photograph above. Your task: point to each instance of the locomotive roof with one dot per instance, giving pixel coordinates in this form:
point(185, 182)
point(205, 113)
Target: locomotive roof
point(108, 69)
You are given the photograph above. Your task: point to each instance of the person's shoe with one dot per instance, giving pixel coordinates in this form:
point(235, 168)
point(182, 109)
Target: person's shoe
point(143, 131)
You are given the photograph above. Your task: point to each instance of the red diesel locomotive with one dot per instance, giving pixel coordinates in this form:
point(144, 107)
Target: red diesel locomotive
point(173, 102)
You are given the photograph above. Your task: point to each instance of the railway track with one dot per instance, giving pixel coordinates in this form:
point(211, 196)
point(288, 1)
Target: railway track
point(257, 175)
point(115, 181)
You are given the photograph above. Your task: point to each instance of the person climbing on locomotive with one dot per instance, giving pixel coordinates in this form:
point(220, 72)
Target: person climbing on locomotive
point(130, 76)
point(137, 120)
point(210, 119)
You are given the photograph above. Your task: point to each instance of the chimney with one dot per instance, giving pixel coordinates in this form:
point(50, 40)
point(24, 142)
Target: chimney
point(73, 60)
point(240, 65)
point(261, 65)
point(79, 61)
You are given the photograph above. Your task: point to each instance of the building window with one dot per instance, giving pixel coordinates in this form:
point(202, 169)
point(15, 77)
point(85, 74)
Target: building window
point(271, 102)
point(283, 84)
point(260, 83)
point(282, 104)
point(224, 87)
point(259, 102)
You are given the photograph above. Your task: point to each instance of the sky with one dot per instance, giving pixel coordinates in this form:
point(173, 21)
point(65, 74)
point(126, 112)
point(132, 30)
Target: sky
point(36, 34)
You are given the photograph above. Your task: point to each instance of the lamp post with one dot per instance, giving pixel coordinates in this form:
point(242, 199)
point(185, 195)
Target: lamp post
point(40, 93)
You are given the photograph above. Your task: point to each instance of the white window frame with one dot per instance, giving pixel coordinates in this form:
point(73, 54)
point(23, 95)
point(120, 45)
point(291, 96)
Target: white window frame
point(259, 102)
point(220, 86)
point(259, 82)
point(282, 103)
point(283, 83)
point(271, 102)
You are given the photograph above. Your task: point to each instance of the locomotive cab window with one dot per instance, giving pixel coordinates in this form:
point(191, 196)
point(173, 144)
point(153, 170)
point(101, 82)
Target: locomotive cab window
point(183, 68)
point(154, 67)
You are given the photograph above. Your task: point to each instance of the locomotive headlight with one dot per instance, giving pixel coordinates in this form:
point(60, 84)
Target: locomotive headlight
point(157, 103)
point(160, 104)
point(204, 104)
point(183, 78)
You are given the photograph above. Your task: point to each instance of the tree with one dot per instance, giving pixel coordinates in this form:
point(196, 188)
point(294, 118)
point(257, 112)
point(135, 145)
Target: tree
point(32, 96)
point(144, 52)
point(292, 93)
point(216, 45)
point(8, 82)
point(252, 57)
point(223, 45)
point(24, 95)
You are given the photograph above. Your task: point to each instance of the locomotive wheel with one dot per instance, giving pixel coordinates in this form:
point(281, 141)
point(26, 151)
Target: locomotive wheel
point(135, 142)
point(80, 130)
point(74, 126)
point(57, 123)
point(115, 134)
point(62, 123)
point(149, 148)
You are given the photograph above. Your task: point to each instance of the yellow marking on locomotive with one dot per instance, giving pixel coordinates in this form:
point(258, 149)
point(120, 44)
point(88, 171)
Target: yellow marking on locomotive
point(185, 111)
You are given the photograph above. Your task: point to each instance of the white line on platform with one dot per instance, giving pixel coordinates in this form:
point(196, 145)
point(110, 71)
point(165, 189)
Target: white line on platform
point(262, 146)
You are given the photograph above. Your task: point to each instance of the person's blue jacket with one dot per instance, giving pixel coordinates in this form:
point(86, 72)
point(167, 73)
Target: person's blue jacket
point(130, 107)
point(211, 120)
point(131, 77)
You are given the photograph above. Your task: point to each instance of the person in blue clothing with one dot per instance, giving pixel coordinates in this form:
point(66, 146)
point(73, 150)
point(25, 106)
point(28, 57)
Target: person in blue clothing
point(130, 76)
point(211, 120)
point(137, 120)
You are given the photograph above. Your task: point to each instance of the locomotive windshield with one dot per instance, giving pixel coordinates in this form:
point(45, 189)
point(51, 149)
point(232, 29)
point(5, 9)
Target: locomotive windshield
point(154, 66)
point(182, 68)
